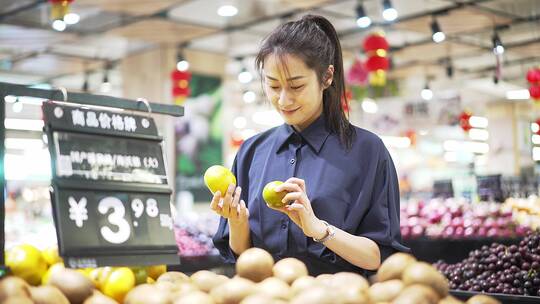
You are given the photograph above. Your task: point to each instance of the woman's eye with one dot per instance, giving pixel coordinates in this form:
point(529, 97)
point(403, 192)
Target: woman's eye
point(297, 87)
point(274, 88)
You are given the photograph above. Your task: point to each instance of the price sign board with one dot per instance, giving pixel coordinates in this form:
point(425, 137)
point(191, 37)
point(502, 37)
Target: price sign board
point(110, 193)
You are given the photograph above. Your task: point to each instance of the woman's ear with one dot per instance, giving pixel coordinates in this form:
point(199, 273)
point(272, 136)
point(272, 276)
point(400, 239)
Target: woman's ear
point(329, 76)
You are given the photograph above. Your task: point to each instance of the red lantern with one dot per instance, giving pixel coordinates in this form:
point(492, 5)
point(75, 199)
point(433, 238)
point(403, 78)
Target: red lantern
point(464, 121)
point(59, 8)
point(180, 85)
point(534, 91)
point(533, 76)
point(375, 42)
point(377, 63)
point(538, 123)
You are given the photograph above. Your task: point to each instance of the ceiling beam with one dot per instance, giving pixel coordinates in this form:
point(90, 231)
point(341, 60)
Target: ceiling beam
point(21, 9)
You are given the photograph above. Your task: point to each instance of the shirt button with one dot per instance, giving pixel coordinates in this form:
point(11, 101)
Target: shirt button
point(292, 161)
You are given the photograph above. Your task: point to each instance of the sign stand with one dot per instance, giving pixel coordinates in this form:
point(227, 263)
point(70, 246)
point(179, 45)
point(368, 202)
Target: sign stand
point(110, 193)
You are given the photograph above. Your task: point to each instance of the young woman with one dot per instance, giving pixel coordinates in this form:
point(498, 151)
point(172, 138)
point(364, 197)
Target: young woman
point(341, 182)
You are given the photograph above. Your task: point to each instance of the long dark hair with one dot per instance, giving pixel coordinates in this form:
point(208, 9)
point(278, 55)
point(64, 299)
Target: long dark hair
point(314, 40)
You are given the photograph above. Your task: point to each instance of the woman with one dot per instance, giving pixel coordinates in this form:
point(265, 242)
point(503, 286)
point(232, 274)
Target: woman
point(340, 179)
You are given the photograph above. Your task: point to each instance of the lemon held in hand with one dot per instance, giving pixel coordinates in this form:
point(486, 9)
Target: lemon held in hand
point(273, 198)
point(218, 178)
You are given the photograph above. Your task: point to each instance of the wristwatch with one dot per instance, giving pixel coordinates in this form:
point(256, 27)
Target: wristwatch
point(330, 233)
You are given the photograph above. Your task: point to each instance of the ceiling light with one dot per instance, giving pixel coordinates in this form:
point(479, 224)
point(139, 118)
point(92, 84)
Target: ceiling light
point(478, 134)
point(389, 12)
point(249, 96)
point(23, 124)
point(518, 94)
point(181, 63)
point(535, 127)
point(59, 25)
point(498, 47)
point(10, 98)
point(17, 107)
point(438, 35)
point(227, 11)
point(72, 18)
point(362, 20)
point(240, 122)
point(427, 93)
point(245, 76)
point(369, 106)
point(478, 122)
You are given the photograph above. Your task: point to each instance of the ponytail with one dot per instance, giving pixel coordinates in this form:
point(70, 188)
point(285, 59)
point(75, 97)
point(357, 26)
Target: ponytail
point(334, 95)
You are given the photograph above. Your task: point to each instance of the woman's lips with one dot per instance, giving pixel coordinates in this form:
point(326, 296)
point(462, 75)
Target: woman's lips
point(289, 112)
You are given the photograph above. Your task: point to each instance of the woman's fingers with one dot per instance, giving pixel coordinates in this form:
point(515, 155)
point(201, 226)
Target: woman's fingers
point(298, 181)
point(289, 187)
point(236, 198)
point(296, 206)
point(214, 205)
point(291, 196)
point(227, 201)
point(244, 211)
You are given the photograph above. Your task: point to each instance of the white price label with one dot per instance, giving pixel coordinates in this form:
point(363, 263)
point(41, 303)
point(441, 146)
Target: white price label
point(115, 218)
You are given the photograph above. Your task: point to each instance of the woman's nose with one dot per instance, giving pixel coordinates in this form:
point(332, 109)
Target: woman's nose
point(285, 98)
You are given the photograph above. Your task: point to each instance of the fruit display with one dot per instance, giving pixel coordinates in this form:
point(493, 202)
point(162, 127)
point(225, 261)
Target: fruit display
point(498, 268)
point(458, 219)
point(526, 211)
point(259, 279)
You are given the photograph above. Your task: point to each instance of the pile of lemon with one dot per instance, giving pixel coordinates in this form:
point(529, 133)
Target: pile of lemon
point(39, 267)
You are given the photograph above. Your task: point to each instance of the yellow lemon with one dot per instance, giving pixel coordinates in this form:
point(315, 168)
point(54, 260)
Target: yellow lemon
point(218, 178)
point(51, 255)
point(155, 271)
point(140, 275)
point(26, 262)
point(47, 276)
point(119, 283)
point(273, 198)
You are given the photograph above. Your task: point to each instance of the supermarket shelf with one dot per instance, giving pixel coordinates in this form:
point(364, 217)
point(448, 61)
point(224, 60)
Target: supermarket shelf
point(503, 298)
point(450, 250)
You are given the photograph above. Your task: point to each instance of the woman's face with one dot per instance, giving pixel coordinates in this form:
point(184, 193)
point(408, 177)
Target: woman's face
point(293, 89)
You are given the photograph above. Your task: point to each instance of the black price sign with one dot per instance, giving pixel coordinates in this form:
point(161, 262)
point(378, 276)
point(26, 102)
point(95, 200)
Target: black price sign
point(111, 198)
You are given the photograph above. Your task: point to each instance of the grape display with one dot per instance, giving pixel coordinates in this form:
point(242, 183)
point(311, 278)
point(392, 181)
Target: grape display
point(498, 268)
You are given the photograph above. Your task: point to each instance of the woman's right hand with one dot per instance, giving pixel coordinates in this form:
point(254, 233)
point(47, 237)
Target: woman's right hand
point(231, 206)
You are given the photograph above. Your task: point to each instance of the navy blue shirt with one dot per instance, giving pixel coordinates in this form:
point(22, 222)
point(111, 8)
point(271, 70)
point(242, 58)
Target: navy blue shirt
point(355, 190)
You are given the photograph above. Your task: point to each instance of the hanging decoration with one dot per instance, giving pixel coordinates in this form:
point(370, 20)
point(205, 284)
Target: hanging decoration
point(59, 8)
point(180, 86)
point(464, 121)
point(345, 101)
point(411, 135)
point(533, 77)
point(377, 63)
point(537, 132)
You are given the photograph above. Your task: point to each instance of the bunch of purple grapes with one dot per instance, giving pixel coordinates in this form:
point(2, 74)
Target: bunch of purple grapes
point(498, 268)
point(192, 243)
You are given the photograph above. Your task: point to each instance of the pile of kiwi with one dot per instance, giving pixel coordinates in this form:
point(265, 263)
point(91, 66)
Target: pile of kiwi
point(401, 279)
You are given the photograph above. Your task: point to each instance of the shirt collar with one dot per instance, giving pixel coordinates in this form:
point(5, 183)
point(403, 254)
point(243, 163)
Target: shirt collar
point(315, 135)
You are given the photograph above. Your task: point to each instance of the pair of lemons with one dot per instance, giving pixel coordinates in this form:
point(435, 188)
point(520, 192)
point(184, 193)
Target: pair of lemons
point(218, 178)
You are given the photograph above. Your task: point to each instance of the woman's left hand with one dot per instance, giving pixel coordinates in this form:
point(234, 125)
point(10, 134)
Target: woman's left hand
point(300, 211)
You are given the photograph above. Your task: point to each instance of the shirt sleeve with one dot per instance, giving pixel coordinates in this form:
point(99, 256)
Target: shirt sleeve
point(381, 220)
point(221, 237)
